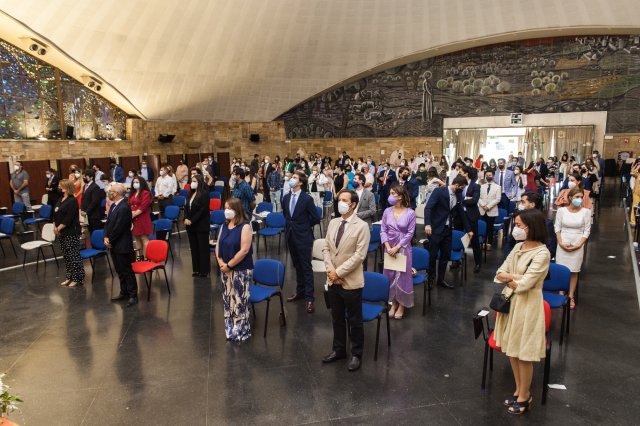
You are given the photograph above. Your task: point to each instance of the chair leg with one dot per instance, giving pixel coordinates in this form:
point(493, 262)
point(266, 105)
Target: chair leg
point(375, 354)
point(464, 264)
point(178, 229)
point(266, 318)
point(388, 329)
point(484, 366)
point(429, 284)
point(55, 256)
point(284, 318)
point(24, 258)
point(109, 263)
point(146, 281)
point(13, 248)
point(568, 318)
point(37, 258)
point(279, 242)
point(564, 314)
point(170, 251)
point(166, 280)
point(253, 308)
point(491, 360)
point(545, 378)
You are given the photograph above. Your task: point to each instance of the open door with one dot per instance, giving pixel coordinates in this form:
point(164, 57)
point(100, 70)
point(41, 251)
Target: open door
point(103, 162)
point(153, 161)
point(174, 159)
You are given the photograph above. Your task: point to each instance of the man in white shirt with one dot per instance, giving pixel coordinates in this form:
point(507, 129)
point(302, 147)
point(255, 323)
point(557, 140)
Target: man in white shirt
point(98, 176)
point(165, 188)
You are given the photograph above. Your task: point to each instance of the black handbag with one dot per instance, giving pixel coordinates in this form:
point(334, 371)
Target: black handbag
point(501, 303)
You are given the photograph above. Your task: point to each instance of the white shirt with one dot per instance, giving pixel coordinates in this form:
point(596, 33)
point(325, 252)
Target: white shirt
point(166, 186)
point(98, 179)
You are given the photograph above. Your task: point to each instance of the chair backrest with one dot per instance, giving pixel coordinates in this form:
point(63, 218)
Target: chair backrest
point(375, 234)
point(482, 228)
point(184, 193)
point(215, 194)
point(179, 200)
point(45, 211)
point(17, 208)
point(157, 251)
point(97, 239)
point(163, 225)
point(45, 199)
point(559, 278)
point(172, 212)
point(547, 316)
point(275, 220)
point(420, 210)
point(219, 183)
point(420, 259)
point(456, 240)
point(320, 211)
point(264, 207)
point(47, 232)
point(512, 207)
point(214, 204)
point(7, 225)
point(219, 188)
point(259, 198)
point(103, 203)
point(269, 272)
point(316, 252)
point(376, 287)
point(328, 196)
point(217, 217)
point(503, 214)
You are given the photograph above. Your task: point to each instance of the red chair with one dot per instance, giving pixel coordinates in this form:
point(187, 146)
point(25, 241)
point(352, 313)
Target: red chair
point(214, 204)
point(481, 326)
point(157, 251)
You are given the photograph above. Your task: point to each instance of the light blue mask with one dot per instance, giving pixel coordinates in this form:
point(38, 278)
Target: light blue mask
point(293, 183)
point(577, 202)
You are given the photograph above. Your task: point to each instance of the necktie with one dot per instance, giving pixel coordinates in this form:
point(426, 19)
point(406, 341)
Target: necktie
point(502, 179)
point(488, 188)
point(340, 232)
point(112, 208)
point(294, 199)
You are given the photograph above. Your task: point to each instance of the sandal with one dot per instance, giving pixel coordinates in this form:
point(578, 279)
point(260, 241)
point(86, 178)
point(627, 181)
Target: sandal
point(75, 284)
point(572, 303)
point(510, 401)
point(65, 283)
point(520, 407)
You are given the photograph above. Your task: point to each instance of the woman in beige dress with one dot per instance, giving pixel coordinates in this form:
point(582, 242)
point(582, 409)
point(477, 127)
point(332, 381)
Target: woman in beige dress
point(521, 333)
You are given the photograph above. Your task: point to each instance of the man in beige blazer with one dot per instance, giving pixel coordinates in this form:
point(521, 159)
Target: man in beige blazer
point(345, 249)
point(490, 194)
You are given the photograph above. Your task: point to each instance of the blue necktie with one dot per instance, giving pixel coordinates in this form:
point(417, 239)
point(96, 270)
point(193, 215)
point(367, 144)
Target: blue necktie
point(294, 199)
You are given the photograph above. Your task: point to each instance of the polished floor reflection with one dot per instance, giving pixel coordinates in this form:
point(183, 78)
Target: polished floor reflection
point(77, 359)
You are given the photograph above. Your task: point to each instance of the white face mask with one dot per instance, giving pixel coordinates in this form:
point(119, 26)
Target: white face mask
point(144, 166)
point(77, 175)
point(519, 234)
point(571, 184)
point(229, 214)
point(161, 172)
point(16, 168)
point(131, 174)
point(48, 175)
point(136, 185)
point(343, 208)
point(194, 185)
point(293, 183)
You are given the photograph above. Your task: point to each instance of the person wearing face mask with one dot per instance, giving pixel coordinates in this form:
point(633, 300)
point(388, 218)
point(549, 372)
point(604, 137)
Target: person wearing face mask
point(147, 172)
point(76, 177)
point(344, 252)
point(366, 208)
point(442, 210)
point(242, 191)
point(267, 169)
point(531, 176)
point(118, 237)
point(196, 220)
point(314, 187)
point(98, 174)
point(507, 181)
point(490, 194)
point(19, 184)
point(521, 333)
point(600, 164)
point(422, 178)
point(574, 181)
point(140, 201)
point(572, 227)
point(397, 229)
point(574, 169)
point(274, 182)
point(92, 197)
point(410, 183)
point(130, 175)
point(117, 172)
point(301, 216)
point(340, 182)
point(166, 187)
point(234, 254)
point(67, 229)
point(532, 200)
point(470, 199)
point(386, 178)
point(51, 187)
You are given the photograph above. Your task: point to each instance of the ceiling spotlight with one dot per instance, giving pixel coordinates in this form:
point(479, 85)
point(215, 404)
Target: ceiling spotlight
point(92, 83)
point(35, 45)
point(98, 87)
point(42, 51)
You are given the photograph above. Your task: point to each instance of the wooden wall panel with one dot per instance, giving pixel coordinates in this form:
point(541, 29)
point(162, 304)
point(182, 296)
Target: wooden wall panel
point(153, 161)
point(64, 164)
point(103, 162)
point(192, 159)
point(37, 179)
point(129, 163)
point(6, 195)
point(173, 159)
point(224, 164)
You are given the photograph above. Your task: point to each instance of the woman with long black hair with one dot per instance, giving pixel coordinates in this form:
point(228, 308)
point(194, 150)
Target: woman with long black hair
point(196, 220)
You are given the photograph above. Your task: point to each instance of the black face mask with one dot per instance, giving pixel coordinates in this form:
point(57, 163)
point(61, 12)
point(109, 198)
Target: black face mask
point(489, 178)
point(501, 166)
point(459, 191)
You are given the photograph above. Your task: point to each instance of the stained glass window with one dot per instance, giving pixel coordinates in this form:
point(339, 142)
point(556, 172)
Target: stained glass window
point(30, 108)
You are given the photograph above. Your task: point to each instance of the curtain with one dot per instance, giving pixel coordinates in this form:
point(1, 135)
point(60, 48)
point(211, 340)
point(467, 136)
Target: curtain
point(469, 142)
point(548, 141)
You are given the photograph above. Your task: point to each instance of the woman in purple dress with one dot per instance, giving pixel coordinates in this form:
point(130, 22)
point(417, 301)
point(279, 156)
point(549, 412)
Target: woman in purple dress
point(398, 227)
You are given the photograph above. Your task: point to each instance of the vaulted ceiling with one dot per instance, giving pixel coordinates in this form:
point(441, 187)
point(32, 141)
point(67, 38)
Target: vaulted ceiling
point(252, 60)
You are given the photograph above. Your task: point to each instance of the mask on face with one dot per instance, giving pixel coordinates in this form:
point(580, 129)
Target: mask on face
point(136, 185)
point(577, 202)
point(144, 166)
point(194, 185)
point(111, 195)
point(355, 184)
point(77, 175)
point(131, 174)
point(392, 200)
point(501, 166)
point(48, 175)
point(521, 207)
point(16, 168)
point(343, 208)
point(519, 234)
point(516, 172)
point(595, 155)
point(571, 184)
point(489, 178)
point(86, 180)
point(161, 172)
point(459, 190)
point(229, 214)
point(293, 183)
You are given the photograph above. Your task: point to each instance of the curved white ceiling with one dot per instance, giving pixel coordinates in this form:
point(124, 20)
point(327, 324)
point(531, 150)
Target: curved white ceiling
point(251, 60)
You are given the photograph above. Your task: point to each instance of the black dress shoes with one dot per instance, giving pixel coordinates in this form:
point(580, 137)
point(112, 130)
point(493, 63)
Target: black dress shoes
point(333, 356)
point(310, 308)
point(476, 269)
point(445, 284)
point(354, 364)
point(195, 274)
point(294, 297)
point(132, 301)
point(119, 298)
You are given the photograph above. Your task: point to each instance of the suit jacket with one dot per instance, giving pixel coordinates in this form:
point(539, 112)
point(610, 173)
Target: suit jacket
point(198, 213)
point(117, 174)
point(367, 207)
point(544, 171)
point(509, 182)
point(66, 213)
point(490, 198)
point(299, 223)
point(413, 189)
point(347, 259)
point(53, 194)
point(118, 228)
point(438, 210)
point(91, 201)
point(471, 205)
point(391, 178)
point(266, 171)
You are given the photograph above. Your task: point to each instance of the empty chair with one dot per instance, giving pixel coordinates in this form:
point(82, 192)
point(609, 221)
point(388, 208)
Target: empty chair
point(375, 303)
point(172, 213)
point(98, 249)
point(264, 207)
point(162, 229)
point(215, 194)
point(44, 215)
point(183, 193)
point(275, 223)
point(156, 257)
point(375, 242)
point(420, 262)
point(317, 257)
point(420, 214)
point(216, 220)
point(482, 237)
point(179, 200)
point(268, 275)
point(219, 188)
point(458, 253)
point(558, 279)
point(214, 204)
point(499, 224)
point(7, 229)
point(48, 237)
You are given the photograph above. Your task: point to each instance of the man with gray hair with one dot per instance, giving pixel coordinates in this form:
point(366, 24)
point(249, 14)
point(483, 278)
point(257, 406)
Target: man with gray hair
point(118, 237)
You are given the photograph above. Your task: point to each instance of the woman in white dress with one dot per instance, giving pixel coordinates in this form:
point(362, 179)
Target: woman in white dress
point(572, 227)
point(521, 182)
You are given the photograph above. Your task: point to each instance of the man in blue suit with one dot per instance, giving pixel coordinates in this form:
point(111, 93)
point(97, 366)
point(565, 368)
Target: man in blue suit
point(386, 177)
point(507, 181)
point(470, 198)
point(410, 182)
point(118, 237)
point(301, 216)
point(117, 172)
point(443, 208)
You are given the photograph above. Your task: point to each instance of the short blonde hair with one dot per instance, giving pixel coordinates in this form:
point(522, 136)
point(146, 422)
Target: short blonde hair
point(68, 186)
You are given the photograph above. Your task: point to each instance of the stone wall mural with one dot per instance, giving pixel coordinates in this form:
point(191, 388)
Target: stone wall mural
point(569, 74)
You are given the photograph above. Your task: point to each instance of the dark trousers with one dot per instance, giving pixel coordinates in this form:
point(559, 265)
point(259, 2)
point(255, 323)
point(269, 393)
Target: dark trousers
point(200, 257)
point(122, 264)
point(94, 224)
point(349, 301)
point(301, 259)
point(166, 201)
point(441, 243)
point(266, 192)
point(504, 202)
point(475, 243)
point(490, 220)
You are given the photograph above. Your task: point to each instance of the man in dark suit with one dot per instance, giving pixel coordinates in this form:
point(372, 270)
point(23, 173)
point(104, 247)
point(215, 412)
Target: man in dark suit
point(443, 208)
point(117, 172)
point(117, 236)
point(386, 178)
point(301, 216)
point(267, 168)
point(92, 197)
point(53, 194)
point(470, 198)
point(410, 183)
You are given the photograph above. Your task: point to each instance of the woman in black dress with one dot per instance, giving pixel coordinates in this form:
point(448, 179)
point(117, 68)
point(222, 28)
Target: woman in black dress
point(66, 219)
point(196, 220)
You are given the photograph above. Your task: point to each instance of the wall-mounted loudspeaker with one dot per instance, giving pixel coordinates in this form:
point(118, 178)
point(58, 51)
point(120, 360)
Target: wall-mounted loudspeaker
point(254, 137)
point(166, 138)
